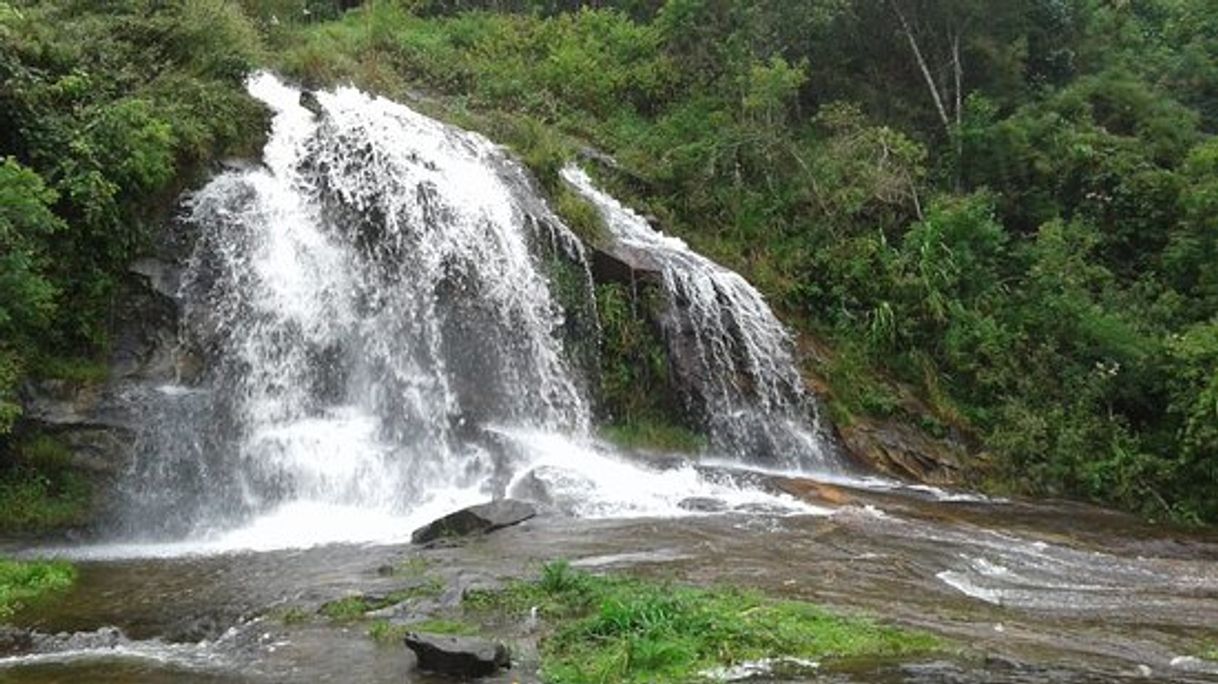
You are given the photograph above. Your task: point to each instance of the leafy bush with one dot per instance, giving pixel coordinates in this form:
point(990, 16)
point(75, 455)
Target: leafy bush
point(25, 582)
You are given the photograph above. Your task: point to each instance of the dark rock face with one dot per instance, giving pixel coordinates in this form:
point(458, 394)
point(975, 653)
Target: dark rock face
point(309, 101)
point(479, 519)
point(458, 656)
point(98, 420)
point(904, 451)
point(624, 265)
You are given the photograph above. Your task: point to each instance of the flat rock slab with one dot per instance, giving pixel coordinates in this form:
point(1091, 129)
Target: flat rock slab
point(459, 656)
point(479, 519)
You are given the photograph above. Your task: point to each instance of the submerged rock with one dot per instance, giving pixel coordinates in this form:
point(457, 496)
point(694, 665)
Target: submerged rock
point(702, 504)
point(309, 101)
point(457, 655)
point(479, 519)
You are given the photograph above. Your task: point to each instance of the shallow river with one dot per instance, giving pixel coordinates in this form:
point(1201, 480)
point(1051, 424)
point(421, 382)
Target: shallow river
point(1024, 592)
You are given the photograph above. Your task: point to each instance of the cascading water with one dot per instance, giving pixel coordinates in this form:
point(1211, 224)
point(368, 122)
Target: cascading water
point(365, 297)
point(738, 362)
point(381, 341)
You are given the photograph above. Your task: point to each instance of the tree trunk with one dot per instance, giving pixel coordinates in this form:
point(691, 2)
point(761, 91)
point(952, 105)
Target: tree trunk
point(930, 79)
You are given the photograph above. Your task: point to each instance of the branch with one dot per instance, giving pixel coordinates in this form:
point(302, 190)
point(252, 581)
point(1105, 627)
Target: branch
point(930, 80)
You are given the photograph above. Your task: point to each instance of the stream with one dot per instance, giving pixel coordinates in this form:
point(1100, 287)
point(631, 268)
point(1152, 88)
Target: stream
point(1024, 592)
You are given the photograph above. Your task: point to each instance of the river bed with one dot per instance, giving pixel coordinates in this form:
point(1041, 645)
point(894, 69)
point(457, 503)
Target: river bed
point(1023, 592)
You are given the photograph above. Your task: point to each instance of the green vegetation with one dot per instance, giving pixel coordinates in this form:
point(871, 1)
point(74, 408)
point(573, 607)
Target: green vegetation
point(26, 582)
point(39, 489)
point(654, 435)
point(1019, 233)
point(351, 608)
point(627, 630)
point(293, 615)
point(640, 404)
point(106, 113)
point(388, 633)
point(414, 566)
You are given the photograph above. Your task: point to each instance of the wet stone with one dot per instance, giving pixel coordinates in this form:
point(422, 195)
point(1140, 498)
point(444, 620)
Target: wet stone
point(479, 519)
point(458, 656)
point(702, 504)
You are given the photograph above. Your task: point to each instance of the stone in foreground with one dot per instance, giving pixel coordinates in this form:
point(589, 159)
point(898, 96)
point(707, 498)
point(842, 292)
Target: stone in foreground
point(458, 656)
point(479, 519)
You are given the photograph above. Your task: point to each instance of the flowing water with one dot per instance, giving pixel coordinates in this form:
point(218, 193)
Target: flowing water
point(743, 373)
point(385, 342)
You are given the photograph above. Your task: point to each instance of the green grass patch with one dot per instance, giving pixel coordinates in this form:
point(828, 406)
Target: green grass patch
point(415, 566)
point(626, 630)
point(352, 608)
point(77, 370)
point(40, 491)
point(347, 609)
point(26, 582)
point(32, 501)
point(655, 435)
point(385, 632)
point(1209, 652)
point(581, 217)
point(293, 615)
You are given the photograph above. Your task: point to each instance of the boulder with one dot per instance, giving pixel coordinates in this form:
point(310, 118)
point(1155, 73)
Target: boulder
point(702, 504)
point(479, 519)
point(458, 656)
point(309, 101)
point(624, 265)
point(904, 451)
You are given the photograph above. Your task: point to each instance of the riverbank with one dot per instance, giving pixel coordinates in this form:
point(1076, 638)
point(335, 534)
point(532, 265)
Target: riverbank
point(1015, 591)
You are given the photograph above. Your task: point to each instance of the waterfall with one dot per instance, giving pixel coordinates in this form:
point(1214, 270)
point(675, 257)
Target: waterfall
point(383, 338)
point(365, 298)
point(732, 354)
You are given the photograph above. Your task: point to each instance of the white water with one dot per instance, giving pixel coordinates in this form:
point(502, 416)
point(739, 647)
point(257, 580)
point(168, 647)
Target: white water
point(746, 380)
point(384, 347)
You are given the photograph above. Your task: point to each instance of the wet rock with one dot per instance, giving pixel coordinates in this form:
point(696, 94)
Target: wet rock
point(702, 504)
point(904, 451)
point(61, 402)
point(14, 640)
point(102, 451)
point(479, 519)
point(102, 638)
point(163, 277)
point(309, 101)
point(533, 488)
point(144, 332)
point(624, 265)
point(813, 491)
point(458, 656)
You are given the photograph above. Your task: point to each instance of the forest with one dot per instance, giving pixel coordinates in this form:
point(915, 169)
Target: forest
point(1008, 208)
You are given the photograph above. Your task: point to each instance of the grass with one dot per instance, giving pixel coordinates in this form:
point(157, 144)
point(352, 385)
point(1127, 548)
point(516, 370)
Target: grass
point(293, 615)
point(81, 371)
point(26, 582)
point(385, 632)
point(35, 502)
point(41, 491)
point(352, 608)
point(1209, 652)
point(654, 435)
point(415, 566)
point(619, 629)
